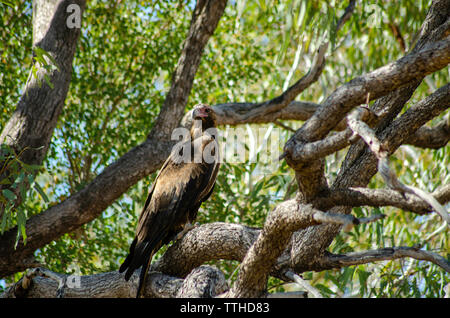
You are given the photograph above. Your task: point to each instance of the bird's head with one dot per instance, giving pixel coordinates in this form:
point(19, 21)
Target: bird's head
point(206, 114)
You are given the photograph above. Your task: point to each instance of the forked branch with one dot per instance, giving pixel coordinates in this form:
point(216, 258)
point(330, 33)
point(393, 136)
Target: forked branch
point(381, 152)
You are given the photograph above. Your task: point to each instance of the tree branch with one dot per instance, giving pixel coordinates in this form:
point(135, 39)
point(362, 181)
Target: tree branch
point(354, 197)
point(331, 261)
point(238, 113)
point(303, 284)
point(360, 164)
point(431, 137)
point(378, 83)
point(287, 217)
point(381, 152)
point(203, 281)
point(280, 107)
point(205, 19)
point(259, 111)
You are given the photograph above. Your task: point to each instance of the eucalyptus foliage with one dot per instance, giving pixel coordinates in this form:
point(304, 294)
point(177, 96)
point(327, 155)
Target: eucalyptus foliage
point(121, 72)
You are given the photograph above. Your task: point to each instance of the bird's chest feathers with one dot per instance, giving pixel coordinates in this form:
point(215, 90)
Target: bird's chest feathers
point(177, 176)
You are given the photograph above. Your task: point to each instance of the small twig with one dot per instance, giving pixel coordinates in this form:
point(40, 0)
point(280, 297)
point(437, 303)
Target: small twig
point(279, 123)
point(303, 284)
point(392, 182)
point(347, 14)
point(347, 220)
point(371, 218)
point(383, 254)
point(365, 132)
point(438, 231)
point(24, 284)
point(398, 36)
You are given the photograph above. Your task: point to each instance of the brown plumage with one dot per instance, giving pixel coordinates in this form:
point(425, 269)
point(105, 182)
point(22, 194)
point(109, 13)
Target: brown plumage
point(179, 189)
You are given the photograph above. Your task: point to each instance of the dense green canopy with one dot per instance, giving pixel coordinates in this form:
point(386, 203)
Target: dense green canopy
point(121, 72)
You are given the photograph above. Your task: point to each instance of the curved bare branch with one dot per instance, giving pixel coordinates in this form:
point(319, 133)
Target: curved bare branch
point(331, 261)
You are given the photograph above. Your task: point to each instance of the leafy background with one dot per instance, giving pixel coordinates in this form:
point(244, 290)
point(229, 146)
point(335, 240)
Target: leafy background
point(121, 73)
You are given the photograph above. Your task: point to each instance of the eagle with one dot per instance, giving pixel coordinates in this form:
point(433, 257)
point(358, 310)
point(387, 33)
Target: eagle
point(186, 179)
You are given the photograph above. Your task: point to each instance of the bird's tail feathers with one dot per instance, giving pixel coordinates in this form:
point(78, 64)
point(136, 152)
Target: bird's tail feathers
point(143, 276)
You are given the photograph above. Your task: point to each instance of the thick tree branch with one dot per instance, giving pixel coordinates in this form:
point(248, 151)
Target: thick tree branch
point(205, 19)
point(360, 165)
point(311, 151)
point(204, 243)
point(347, 221)
point(260, 250)
point(287, 217)
point(377, 83)
point(237, 113)
point(257, 112)
point(280, 107)
point(204, 281)
point(228, 241)
point(29, 130)
point(415, 117)
point(431, 137)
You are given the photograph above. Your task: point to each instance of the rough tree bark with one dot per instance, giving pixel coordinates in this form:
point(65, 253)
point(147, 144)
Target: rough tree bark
point(29, 130)
point(298, 231)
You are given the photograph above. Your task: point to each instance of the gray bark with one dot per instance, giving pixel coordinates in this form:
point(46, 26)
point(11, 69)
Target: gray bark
point(30, 128)
point(204, 281)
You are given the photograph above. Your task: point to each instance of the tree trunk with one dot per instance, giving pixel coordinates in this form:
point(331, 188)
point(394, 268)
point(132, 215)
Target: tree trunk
point(29, 130)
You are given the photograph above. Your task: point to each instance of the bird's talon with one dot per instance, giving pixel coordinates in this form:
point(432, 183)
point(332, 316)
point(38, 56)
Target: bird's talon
point(186, 228)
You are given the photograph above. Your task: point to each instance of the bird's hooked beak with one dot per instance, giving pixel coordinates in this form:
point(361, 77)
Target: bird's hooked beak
point(202, 111)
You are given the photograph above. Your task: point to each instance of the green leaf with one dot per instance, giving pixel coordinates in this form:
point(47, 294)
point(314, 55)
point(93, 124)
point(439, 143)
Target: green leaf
point(38, 188)
point(324, 290)
point(40, 53)
point(21, 222)
point(9, 194)
point(47, 80)
point(9, 3)
point(6, 217)
point(362, 277)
